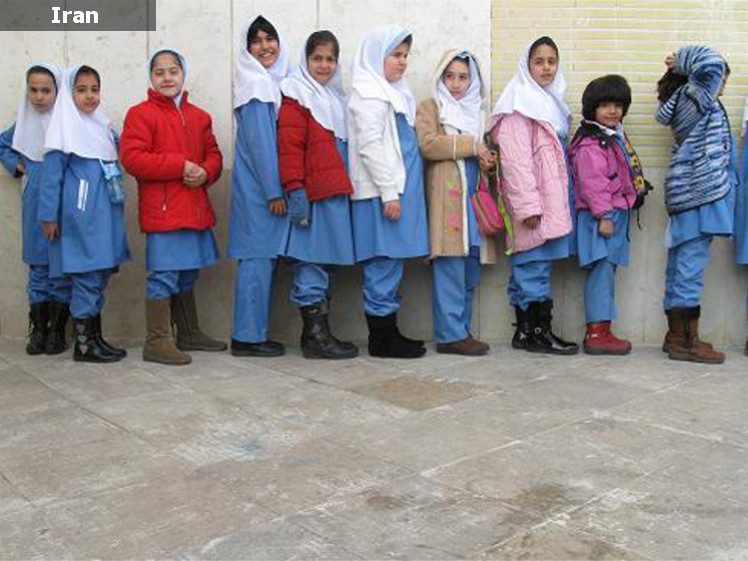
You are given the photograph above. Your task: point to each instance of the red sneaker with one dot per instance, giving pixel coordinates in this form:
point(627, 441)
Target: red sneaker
point(600, 341)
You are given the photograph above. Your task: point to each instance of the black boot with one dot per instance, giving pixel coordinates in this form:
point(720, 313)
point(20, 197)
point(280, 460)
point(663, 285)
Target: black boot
point(122, 353)
point(87, 346)
point(385, 340)
point(542, 339)
point(522, 331)
point(58, 321)
point(38, 329)
point(316, 339)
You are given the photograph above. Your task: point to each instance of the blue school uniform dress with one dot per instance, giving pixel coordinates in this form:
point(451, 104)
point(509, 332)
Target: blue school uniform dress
point(456, 278)
point(93, 237)
point(383, 245)
point(530, 279)
point(174, 260)
point(322, 246)
point(256, 235)
point(40, 287)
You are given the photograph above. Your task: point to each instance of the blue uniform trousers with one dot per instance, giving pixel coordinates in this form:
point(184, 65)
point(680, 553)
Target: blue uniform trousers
point(455, 281)
point(530, 282)
point(253, 292)
point(87, 298)
point(162, 284)
point(42, 288)
point(382, 276)
point(600, 292)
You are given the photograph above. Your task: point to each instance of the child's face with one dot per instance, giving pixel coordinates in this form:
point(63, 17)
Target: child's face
point(41, 91)
point(396, 63)
point(543, 65)
point(265, 48)
point(167, 77)
point(457, 78)
point(609, 113)
point(322, 63)
point(86, 93)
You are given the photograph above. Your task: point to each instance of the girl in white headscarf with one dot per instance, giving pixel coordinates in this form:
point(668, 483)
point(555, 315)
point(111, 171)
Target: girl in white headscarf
point(82, 206)
point(530, 122)
point(258, 215)
point(312, 151)
point(450, 130)
point(168, 145)
point(21, 153)
point(388, 210)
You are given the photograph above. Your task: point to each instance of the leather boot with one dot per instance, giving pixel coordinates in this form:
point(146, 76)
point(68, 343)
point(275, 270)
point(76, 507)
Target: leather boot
point(189, 335)
point(522, 331)
point(385, 340)
point(159, 344)
point(59, 312)
point(87, 347)
point(542, 339)
point(122, 353)
point(666, 342)
point(38, 328)
point(265, 349)
point(684, 339)
point(316, 339)
point(599, 340)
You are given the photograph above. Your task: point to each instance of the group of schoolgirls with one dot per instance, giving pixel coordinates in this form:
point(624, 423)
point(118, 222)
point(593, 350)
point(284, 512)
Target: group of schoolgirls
point(323, 181)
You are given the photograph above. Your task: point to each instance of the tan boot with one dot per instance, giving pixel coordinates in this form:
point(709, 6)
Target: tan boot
point(666, 342)
point(159, 344)
point(189, 336)
point(684, 338)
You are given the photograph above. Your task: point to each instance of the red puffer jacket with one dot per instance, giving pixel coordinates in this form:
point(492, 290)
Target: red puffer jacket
point(308, 154)
point(157, 139)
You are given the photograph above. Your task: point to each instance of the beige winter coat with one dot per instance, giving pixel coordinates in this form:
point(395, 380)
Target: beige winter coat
point(445, 191)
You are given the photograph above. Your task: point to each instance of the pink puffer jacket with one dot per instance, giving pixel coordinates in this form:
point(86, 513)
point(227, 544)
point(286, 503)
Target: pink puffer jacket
point(602, 177)
point(535, 179)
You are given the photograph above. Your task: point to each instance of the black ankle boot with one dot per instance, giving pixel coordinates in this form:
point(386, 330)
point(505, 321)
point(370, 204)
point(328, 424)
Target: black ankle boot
point(522, 331)
point(87, 346)
point(122, 353)
point(58, 321)
point(38, 328)
point(542, 339)
point(386, 341)
point(316, 339)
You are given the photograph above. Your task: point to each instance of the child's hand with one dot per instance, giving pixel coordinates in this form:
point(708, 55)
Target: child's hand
point(532, 222)
point(392, 210)
point(670, 60)
point(20, 169)
point(606, 227)
point(486, 158)
point(278, 206)
point(51, 230)
point(193, 175)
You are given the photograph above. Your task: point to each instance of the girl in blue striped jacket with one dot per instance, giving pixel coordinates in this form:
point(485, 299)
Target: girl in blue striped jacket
point(699, 190)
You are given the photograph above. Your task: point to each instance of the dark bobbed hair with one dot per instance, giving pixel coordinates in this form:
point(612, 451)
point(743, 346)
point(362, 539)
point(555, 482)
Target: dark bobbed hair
point(177, 58)
point(322, 37)
point(612, 87)
point(36, 69)
point(87, 70)
point(544, 40)
point(261, 24)
point(668, 84)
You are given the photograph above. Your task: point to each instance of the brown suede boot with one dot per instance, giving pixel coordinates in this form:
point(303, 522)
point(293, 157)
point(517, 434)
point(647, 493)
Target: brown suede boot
point(666, 342)
point(189, 336)
point(468, 347)
point(684, 338)
point(159, 344)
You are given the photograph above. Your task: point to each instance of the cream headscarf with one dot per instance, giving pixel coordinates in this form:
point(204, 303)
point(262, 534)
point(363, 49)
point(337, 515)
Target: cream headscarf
point(466, 114)
point(31, 126)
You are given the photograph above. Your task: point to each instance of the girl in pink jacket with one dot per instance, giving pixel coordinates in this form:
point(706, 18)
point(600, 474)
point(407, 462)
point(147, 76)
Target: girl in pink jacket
point(605, 168)
point(530, 122)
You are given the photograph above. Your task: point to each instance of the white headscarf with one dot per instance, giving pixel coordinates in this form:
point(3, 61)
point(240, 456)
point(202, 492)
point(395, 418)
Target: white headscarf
point(326, 103)
point(368, 70)
point(73, 132)
point(465, 114)
point(182, 61)
point(525, 95)
point(31, 126)
point(252, 80)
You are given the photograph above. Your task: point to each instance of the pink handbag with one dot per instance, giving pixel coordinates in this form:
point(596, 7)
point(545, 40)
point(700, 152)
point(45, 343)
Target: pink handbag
point(486, 206)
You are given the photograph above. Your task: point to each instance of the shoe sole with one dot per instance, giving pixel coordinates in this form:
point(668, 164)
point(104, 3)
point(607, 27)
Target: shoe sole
point(569, 352)
point(322, 356)
point(594, 352)
point(242, 354)
point(97, 360)
point(187, 348)
point(689, 358)
point(453, 352)
point(398, 357)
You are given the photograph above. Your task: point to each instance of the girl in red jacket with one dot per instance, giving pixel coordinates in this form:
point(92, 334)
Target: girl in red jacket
point(313, 148)
point(168, 146)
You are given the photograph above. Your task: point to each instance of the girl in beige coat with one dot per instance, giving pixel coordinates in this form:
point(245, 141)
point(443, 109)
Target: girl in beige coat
point(450, 127)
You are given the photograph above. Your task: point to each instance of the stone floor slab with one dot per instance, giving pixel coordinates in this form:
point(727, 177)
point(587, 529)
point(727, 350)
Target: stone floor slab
point(419, 394)
point(22, 393)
